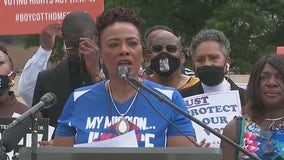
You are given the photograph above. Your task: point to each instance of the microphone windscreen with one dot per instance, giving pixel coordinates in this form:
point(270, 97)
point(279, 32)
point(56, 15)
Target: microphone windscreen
point(49, 99)
point(122, 71)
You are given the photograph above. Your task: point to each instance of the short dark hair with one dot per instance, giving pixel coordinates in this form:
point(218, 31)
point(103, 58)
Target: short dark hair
point(113, 15)
point(149, 37)
point(210, 35)
point(255, 106)
point(155, 28)
point(3, 48)
point(78, 23)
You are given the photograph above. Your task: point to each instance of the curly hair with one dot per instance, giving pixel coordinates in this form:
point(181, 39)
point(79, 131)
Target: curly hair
point(210, 35)
point(255, 106)
point(110, 16)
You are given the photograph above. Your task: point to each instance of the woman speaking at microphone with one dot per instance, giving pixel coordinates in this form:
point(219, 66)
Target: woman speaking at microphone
point(112, 107)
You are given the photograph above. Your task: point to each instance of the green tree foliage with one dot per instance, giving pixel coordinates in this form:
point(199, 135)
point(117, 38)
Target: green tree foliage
point(254, 27)
point(247, 29)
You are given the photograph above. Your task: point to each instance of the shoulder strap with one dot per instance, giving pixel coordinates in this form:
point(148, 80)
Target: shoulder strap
point(238, 128)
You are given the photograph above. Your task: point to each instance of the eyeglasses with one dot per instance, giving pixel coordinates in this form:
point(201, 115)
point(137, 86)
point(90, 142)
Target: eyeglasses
point(169, 48)
point(72, 50)
point(72, 46)
point(266, 147)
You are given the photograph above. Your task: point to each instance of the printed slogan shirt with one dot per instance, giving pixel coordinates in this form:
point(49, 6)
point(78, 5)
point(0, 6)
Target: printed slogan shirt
point(90, 116)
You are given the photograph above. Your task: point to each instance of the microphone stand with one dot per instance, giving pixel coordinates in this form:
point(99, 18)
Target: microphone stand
point(135, 83)
point(34, 139)
point(3, 155)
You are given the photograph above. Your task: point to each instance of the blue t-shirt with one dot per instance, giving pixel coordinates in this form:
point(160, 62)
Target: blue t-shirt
point(90, 116)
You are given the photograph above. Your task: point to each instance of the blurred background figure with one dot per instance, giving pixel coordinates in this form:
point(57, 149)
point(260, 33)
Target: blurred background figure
point(80, 67)
point(38, 62)
point(147, 37)
point(9, 105)
point(164, 53)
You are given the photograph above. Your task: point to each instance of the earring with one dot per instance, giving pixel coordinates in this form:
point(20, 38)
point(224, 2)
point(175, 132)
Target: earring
point(228, 67)
point(11, 83)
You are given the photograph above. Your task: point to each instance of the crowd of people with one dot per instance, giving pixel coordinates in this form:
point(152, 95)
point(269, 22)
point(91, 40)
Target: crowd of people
point(95, 103)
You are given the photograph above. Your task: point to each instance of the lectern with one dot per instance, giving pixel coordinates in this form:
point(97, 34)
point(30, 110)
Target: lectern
point(170, 153)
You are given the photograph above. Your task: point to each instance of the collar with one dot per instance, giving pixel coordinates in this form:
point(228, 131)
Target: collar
point(224, 86)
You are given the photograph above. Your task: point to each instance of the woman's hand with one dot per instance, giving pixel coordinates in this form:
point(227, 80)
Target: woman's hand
point(45, 143)
point(204, 144)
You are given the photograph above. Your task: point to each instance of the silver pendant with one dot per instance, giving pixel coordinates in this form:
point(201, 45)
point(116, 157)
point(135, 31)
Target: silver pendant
point(122, 126)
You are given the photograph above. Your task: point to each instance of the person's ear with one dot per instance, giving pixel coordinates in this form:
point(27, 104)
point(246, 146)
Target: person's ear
point(227, 65)
point(182, 59)
point(148, 58)
point(12, 76)
point(100, 57)
point(191, 62)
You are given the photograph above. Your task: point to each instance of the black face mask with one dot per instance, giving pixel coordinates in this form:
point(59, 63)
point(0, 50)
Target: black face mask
point(165, 64)
point(4, 84)
point(210, 75)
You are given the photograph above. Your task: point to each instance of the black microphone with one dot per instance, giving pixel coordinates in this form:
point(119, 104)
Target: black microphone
point(18, 128)
point(122, 71)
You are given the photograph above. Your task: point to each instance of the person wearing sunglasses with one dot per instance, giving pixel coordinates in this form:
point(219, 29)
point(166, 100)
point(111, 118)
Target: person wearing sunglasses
point(165, 55)
point(79, 68)
point(261, 131)
point(164, 51)
point(148, 70)
point(210, 54)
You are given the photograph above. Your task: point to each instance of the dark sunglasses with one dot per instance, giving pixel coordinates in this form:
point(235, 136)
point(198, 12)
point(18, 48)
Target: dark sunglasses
point(72, 46)
point(169, 48)
point(267, 147)
point(72, 50)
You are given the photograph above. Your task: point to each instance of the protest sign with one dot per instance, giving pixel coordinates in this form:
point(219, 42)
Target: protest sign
point(215, 110)
point(280, 50)
point(32, 16)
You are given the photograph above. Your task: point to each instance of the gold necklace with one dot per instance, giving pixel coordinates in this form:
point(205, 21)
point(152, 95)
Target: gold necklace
point(122, 125)
point(273, 121)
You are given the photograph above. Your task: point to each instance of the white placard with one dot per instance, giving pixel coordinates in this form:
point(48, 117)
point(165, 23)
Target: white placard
point(215, 110)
